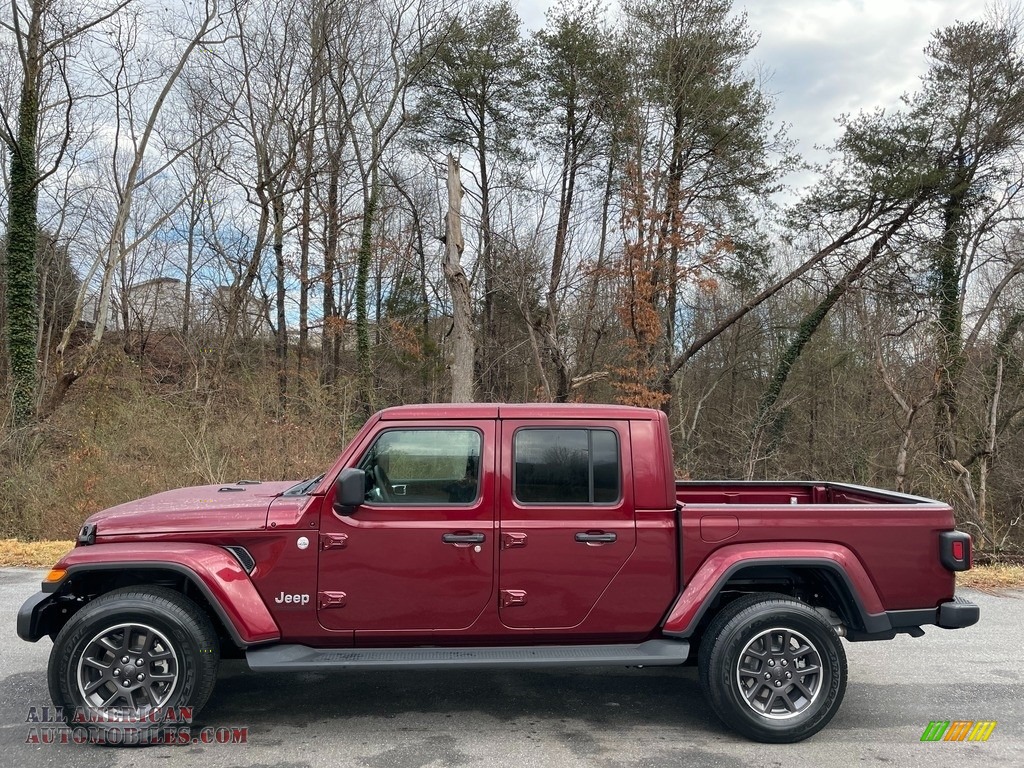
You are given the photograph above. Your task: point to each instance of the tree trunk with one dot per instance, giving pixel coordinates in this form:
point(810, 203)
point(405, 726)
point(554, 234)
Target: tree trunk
point(588, 348)
point(458, 284)
point(190, 260)
point(306, 224)
point(488, 365)
point(421, 254)
point(126, 320)
point(304, 238)
point(363, 355)
point(949, 328)
point(281, 346)
point(549, 331)
point(328, 363)
point(23, 235)
point(673, 231)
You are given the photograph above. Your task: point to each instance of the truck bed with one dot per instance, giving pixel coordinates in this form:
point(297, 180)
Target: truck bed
point(782, 492)
point(895, 535)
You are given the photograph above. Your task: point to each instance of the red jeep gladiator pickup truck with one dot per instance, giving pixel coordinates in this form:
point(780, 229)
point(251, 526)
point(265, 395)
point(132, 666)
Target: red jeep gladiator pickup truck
point(500, 536)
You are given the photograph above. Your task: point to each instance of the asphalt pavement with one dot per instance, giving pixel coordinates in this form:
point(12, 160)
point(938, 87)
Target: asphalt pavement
point(615, 718)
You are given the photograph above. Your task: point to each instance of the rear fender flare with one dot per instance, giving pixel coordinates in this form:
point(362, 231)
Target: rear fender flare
point(839, 562)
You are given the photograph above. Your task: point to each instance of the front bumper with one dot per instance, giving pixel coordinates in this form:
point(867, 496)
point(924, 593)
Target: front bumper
point(958, 613)
point(32, 616)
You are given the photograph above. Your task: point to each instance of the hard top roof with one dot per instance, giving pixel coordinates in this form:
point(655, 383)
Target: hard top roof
point(516, 411)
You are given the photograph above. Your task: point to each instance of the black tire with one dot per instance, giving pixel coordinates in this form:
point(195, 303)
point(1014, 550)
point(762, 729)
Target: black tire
point(757, 665)
point(160, 639)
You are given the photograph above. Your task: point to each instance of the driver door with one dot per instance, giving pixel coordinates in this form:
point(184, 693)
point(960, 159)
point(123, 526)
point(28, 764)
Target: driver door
point(418, 554)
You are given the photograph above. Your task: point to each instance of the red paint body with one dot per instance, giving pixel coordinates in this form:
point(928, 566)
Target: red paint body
point(381, 575)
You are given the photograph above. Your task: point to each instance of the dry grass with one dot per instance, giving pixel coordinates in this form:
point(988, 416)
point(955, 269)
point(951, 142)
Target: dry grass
point(991, 578)
point(121, 436)
point(32, 554)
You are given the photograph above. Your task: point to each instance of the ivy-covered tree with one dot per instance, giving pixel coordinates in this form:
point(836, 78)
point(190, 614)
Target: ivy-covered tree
point(45, 36)
point(972, 97)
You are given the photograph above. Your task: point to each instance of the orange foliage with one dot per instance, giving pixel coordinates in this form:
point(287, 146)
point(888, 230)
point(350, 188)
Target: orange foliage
point(334, 326)
point(642, 275)
point(657, 234)
point(404, 339)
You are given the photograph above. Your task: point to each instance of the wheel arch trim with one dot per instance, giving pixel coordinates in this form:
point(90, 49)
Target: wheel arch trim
point(212, 570)
point(837, 562)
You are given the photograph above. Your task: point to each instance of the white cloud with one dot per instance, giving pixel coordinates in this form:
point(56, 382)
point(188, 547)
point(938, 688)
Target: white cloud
point(827, 57)
point(834, 56)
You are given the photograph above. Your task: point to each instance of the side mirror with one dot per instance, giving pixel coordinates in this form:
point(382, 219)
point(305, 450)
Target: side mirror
point(349, 490)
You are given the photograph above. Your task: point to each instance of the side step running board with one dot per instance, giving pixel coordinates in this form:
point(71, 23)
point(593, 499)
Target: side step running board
point(300, 658)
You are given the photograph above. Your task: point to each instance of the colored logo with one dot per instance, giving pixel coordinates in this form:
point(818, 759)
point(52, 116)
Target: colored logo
point(958, 730)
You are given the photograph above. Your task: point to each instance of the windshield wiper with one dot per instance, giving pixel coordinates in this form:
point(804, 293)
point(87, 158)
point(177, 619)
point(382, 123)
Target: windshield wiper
point(305, 486)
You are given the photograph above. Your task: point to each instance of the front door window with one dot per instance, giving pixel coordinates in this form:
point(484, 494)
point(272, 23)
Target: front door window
point(423, 466)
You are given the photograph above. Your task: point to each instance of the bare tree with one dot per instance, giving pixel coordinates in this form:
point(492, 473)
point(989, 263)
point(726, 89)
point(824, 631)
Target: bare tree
point(136, 131)
point(458, 285)
point(397, 41)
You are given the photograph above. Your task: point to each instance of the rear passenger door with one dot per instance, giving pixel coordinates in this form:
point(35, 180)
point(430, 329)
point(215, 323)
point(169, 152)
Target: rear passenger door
point(567, 523)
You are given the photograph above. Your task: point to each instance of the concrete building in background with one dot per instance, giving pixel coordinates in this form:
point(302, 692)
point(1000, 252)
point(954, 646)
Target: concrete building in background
point(154, 305)
point(159, 305)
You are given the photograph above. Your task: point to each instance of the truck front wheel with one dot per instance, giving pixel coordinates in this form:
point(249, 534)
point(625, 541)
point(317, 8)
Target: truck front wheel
point(772, 668)
point(126, 662)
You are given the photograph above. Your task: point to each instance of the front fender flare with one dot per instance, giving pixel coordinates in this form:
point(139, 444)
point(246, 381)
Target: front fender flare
point(212, 570)
point(839, 561)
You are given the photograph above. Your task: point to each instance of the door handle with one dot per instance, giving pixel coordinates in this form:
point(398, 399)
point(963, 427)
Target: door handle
point(585, 537)
point(463, 538)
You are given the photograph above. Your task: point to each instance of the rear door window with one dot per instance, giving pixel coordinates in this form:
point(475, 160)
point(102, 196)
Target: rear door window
point(566, 466)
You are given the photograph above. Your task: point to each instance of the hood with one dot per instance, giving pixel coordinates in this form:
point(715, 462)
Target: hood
point(224, 507)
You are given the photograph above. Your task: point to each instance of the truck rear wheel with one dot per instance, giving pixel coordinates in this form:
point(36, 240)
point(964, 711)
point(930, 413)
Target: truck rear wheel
point(772, 668)
point(123, 664)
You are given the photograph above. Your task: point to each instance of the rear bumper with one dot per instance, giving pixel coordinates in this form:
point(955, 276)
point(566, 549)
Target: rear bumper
point(952, 614)
point(958, 613)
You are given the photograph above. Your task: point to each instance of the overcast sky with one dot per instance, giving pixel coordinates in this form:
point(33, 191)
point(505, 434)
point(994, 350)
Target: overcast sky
point(825, 57)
